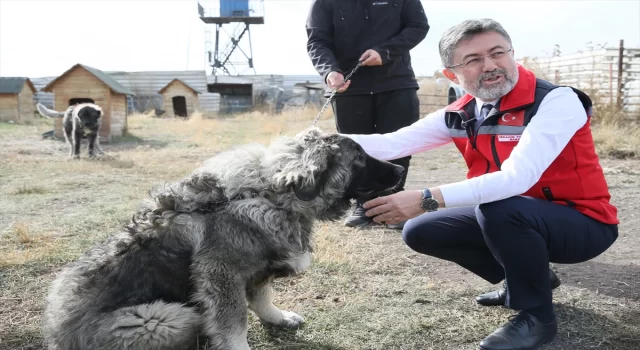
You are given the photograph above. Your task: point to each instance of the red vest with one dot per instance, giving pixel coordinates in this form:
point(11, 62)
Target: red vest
point(574, 178)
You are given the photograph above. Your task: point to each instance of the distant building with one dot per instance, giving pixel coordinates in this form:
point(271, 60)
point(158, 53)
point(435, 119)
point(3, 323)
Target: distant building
point(243, 93)
point(215, 94)
point(16, 99)
point(146, 84)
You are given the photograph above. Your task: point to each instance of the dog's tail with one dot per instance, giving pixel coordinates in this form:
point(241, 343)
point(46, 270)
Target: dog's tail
point(46, 112)
point(154, 326)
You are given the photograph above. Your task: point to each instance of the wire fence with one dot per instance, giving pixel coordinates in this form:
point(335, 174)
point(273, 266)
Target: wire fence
point(609, 75)
point(430, 102)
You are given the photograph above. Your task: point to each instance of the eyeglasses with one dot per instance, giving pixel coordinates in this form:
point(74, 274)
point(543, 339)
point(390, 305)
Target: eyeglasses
point(477, 61)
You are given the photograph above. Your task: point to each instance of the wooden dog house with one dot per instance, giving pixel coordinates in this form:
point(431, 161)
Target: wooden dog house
point(81, 84)
point(16, 99)
point(179, 99)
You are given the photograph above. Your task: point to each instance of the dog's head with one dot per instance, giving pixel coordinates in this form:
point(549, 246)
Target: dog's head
point(313, 174)
point(89, 115)
point(331, 169)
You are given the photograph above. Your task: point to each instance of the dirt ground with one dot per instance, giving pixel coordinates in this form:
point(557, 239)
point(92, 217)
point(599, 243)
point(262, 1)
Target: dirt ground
point(365, 289)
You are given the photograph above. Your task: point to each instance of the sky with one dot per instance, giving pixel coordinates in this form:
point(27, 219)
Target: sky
point(46, 37)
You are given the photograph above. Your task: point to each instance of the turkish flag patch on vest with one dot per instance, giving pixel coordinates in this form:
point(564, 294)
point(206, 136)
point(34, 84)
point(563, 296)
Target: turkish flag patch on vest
point(515, 118)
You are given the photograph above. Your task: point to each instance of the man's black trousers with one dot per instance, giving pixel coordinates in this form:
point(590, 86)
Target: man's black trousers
point(378, 114)
point(514, 238)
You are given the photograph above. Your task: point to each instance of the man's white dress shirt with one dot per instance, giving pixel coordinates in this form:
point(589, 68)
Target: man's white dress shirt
point(559, 116)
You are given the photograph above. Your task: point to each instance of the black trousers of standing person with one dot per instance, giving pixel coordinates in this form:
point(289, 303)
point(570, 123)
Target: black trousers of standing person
point(514, 238)
point(378, 113)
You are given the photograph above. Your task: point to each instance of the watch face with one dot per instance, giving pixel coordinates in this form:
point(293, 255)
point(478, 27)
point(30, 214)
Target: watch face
point(429, 204)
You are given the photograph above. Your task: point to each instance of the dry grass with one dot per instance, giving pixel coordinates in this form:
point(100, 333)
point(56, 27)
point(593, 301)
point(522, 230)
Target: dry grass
point(26, 189)
point(617, 141)
point(365, 290)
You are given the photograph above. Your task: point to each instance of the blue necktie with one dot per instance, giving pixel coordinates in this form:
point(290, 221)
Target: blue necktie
point(483, 114)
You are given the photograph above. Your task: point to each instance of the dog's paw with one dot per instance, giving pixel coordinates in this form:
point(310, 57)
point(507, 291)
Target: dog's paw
point(291, 319)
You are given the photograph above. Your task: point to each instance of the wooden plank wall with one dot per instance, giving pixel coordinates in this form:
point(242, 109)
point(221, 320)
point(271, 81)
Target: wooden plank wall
point(118, 115)
point(26, 103)
point(8, 107)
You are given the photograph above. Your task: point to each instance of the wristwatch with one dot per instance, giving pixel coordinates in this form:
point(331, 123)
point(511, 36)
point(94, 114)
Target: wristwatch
point(428, 202)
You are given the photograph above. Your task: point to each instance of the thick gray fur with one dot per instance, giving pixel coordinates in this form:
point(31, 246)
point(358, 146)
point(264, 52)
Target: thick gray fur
point(79, 121)
point(205, 250)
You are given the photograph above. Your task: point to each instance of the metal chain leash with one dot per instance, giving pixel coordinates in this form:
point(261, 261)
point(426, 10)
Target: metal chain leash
point(336, 90)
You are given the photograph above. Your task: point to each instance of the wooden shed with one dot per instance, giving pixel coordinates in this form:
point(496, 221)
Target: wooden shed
point(179, 99)
point(81, 84)
point(16, 99)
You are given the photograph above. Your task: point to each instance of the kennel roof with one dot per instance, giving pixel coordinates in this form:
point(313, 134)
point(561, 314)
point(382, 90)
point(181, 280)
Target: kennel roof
point(102, 76)
point(13, 85)
point(179, 81)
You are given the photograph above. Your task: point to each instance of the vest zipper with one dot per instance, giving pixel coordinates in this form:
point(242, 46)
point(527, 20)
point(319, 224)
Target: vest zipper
point(470, 134)
point(494, 151)
point(546, 191)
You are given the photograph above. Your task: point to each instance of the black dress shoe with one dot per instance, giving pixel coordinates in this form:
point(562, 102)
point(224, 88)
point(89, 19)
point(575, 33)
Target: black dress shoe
point(498, 297)
point(523, 332)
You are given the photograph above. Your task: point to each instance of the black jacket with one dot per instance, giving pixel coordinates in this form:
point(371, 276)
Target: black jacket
point(340, 31)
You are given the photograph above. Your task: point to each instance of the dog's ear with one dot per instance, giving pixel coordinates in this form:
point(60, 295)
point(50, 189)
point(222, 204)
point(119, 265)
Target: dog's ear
point(308, 172)
point(307, 190)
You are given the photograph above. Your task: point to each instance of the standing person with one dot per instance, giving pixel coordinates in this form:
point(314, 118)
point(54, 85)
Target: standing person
point(535, 191)
point(381, 96)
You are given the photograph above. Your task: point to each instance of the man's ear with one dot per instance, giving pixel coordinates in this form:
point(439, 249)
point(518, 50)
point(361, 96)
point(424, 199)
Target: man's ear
point(450, 75)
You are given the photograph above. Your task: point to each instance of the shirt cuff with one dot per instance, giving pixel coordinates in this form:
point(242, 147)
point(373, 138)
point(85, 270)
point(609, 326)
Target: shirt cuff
point(457, 194)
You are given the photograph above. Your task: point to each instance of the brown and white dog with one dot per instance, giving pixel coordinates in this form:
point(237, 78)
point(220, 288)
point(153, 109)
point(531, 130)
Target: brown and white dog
point(79, 121)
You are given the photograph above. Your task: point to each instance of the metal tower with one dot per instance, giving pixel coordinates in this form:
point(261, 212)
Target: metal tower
point(226, 56)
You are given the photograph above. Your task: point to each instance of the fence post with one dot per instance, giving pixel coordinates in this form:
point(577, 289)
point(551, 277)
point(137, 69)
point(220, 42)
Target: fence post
point(610, 83)
point(619, 90)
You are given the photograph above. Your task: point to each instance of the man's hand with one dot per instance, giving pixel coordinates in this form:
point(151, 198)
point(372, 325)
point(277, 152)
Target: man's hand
point(371, 58)
point(395, 208)
point(334, 79)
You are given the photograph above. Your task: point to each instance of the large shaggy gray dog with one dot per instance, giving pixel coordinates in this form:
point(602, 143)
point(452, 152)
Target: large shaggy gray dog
point(206, 249)
point(80, 121)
